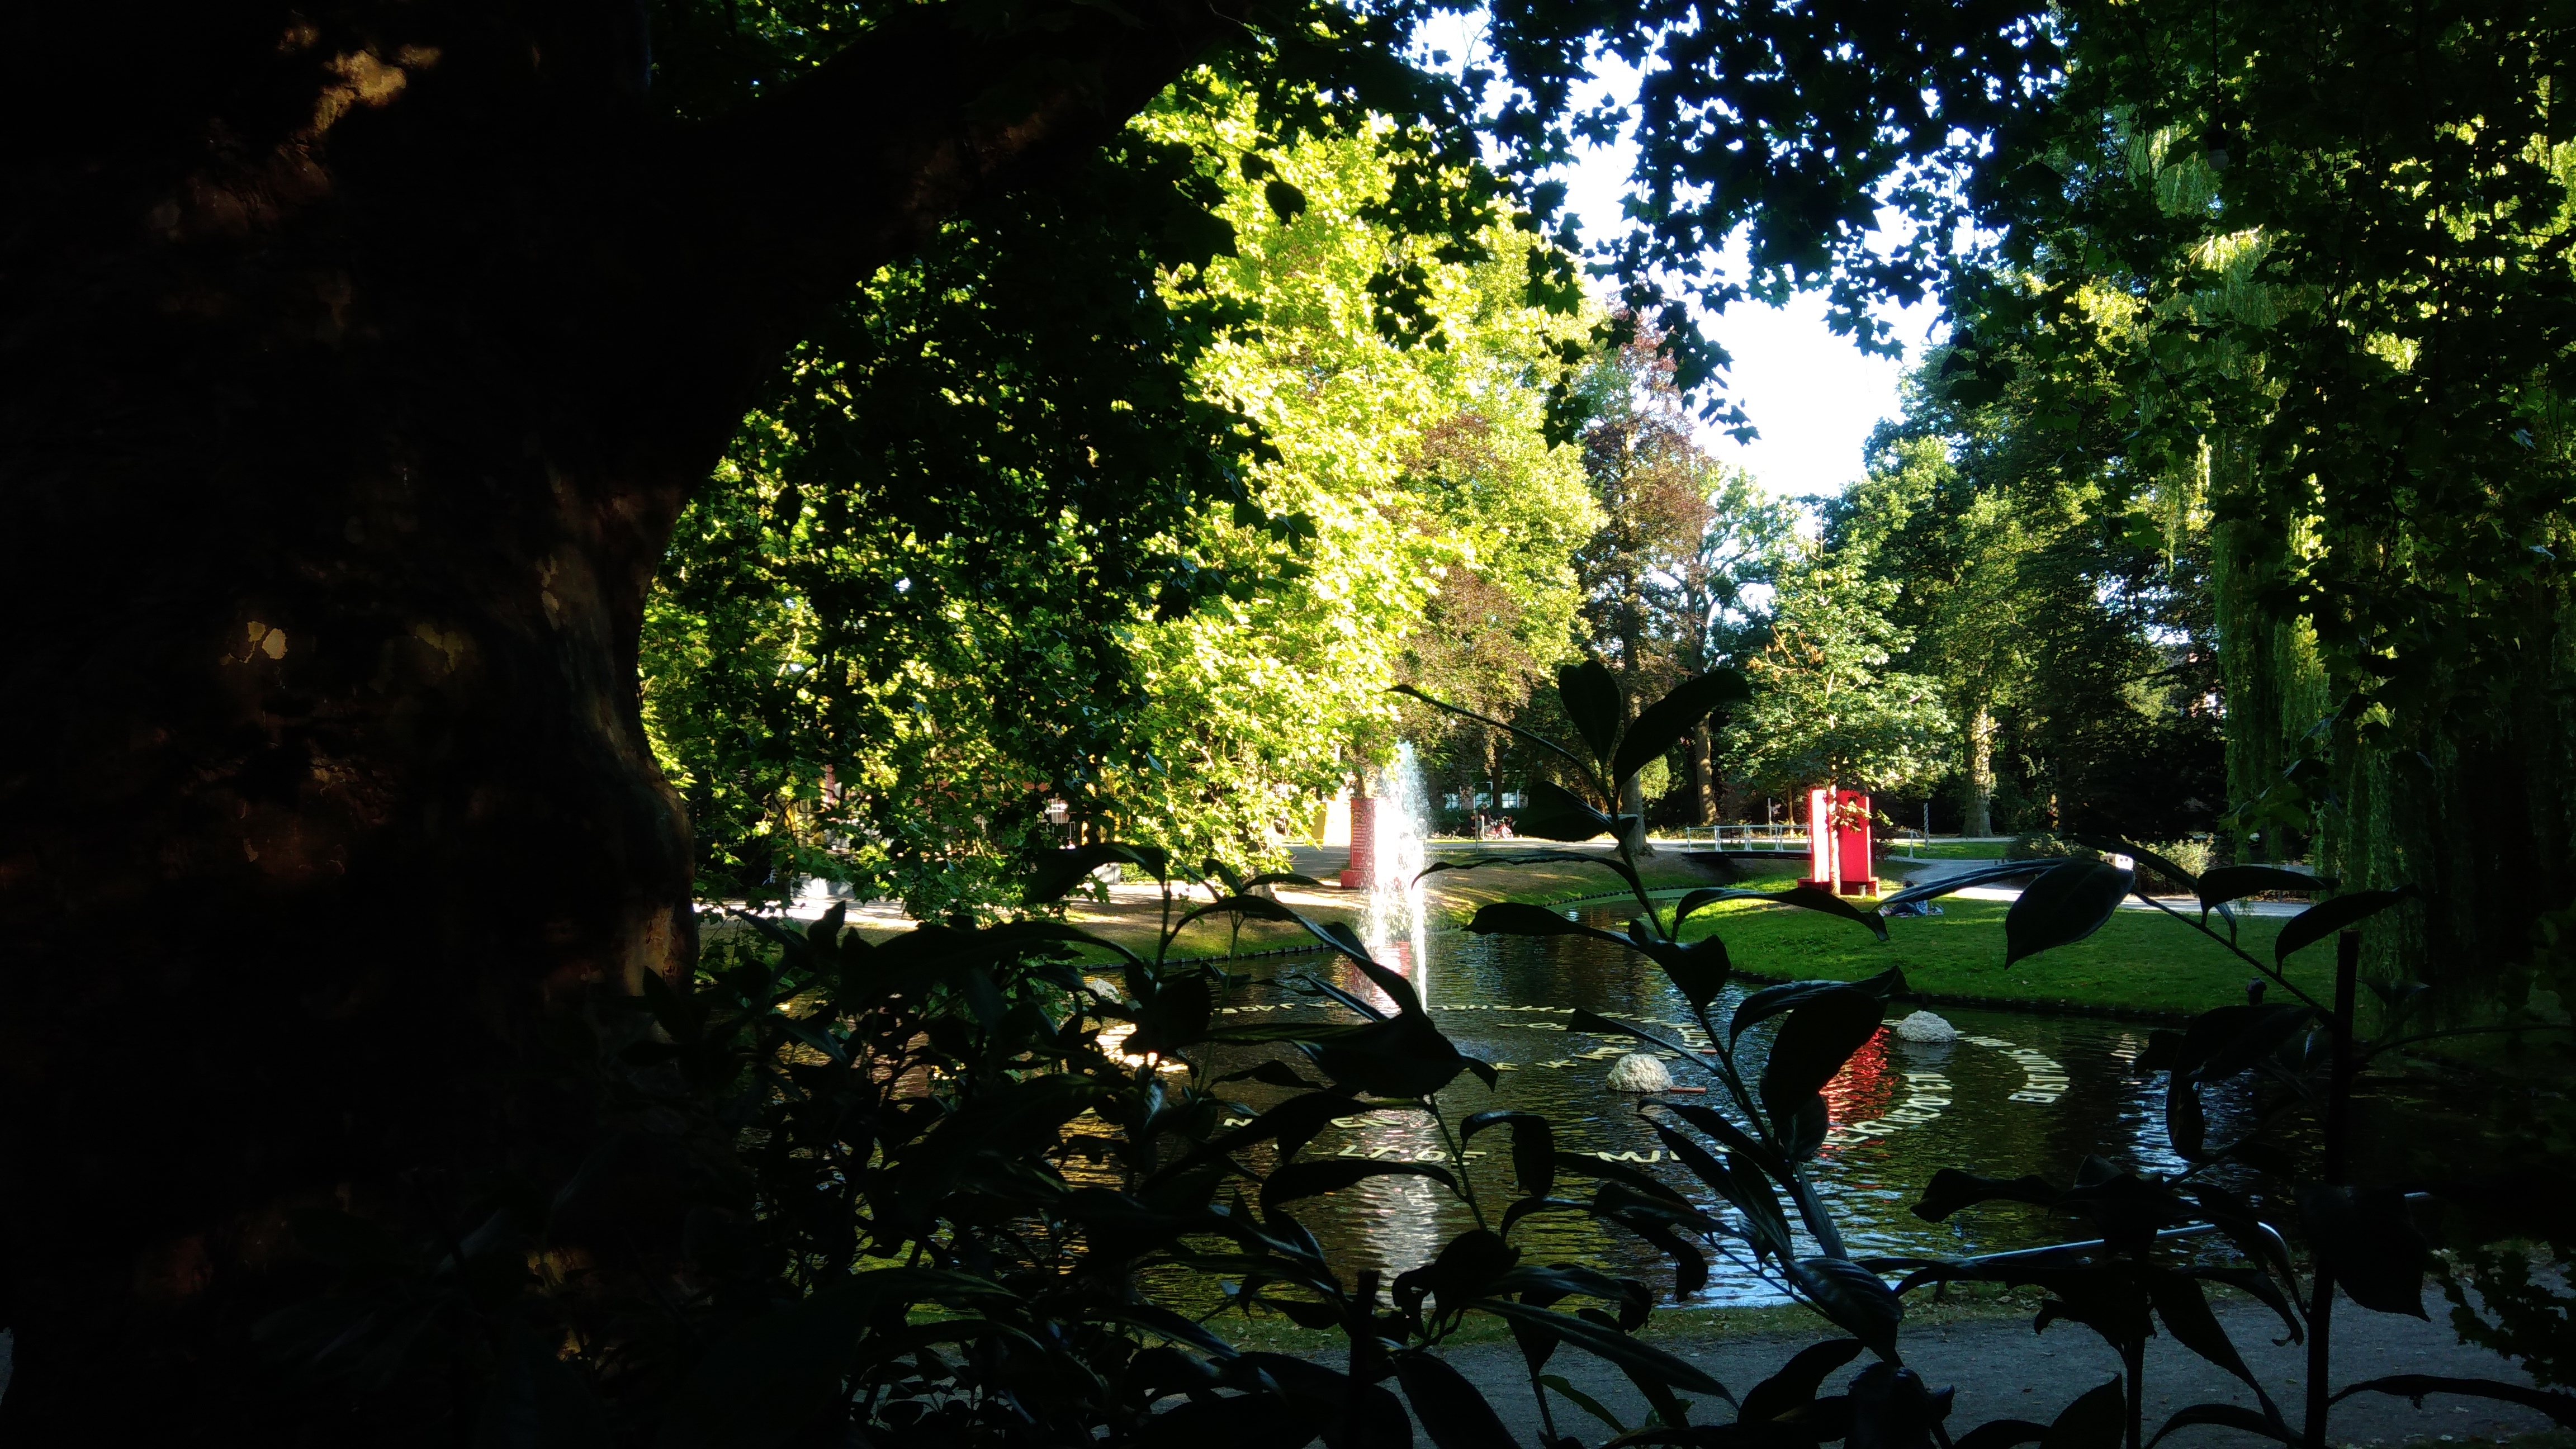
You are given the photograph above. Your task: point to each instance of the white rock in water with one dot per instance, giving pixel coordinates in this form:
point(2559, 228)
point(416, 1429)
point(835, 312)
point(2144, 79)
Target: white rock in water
point(1924, 1026)
point(1638, 1072)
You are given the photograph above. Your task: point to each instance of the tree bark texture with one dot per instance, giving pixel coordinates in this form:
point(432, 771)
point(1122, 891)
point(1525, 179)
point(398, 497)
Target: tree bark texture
point(356, 361)
point(1703, 766)
point(1978, 817)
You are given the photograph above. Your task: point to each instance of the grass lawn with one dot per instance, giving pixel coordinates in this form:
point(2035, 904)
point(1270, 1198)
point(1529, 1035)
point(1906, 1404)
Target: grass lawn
point(1944, 850)
point(1451, 899)
point(2139, 960)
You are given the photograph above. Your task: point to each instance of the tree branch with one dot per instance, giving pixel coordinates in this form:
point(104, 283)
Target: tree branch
point(800, 197)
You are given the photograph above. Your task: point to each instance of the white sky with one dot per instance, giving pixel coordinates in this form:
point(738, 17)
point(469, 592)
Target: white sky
point(1813, 395)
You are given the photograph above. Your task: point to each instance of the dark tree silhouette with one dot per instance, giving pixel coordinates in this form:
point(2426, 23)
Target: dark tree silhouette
point(354, 362)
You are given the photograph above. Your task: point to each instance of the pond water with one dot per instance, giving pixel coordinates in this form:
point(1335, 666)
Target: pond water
point(2017, 1093)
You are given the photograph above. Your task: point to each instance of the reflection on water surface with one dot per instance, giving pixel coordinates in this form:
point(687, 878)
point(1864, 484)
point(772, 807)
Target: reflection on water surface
point(2016, 1094)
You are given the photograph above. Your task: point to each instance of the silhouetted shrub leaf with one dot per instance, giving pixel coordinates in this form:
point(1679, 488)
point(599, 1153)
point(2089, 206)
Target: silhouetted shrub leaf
point(2066, 904)
point(1854, 1298)
point(1981, 875)
point(2185, 1125)
point(2560, 1407)
point(1292, 1124)
point(1821, 1033)
point(2366, 1239)
point(1952, 1190)
point(2185, 1310)
point(1698, 970)
point(1533, 1146)
point(2320, 921)
point(1273, 1073)
point(1608, 1344)
point(1307, 1179)
point(1516, 918)
point(1770, 1001)
point(1062, 870)
point(2098, 1419)
point(1661, 725)
point(1795, 1385)
point(1824, 902)
point(1542, 741)
point(2113, 845)
point(1259, 908)
point(1451, 1409)
point(2256, 1034)
point(2001, 1434)
point(1590, 693)
point(1404, 1056)
point(1555, 813)
point(1595, 1022)
point(2236, 882)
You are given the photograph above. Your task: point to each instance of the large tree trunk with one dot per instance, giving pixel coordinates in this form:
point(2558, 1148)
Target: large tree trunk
point(1978, 806)
point(1632, 803)
point(1703, 765)
point(353, 371)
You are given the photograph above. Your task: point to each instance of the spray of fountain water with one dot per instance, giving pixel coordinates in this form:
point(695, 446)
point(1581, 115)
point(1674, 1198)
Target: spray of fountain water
point(1395, 915)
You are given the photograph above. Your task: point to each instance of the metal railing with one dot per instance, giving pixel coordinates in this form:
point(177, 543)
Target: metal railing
point(1784, 839)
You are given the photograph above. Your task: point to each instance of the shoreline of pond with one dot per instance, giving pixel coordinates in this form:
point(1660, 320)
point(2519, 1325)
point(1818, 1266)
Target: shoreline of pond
point(1134, 923)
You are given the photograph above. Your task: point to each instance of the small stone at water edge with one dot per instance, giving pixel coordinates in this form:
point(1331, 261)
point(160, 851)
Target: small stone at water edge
point(1924, 1026)
point(1638, 1072)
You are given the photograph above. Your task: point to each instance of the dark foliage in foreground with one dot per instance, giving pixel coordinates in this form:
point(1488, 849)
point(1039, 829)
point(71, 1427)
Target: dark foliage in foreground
point(919, 1182)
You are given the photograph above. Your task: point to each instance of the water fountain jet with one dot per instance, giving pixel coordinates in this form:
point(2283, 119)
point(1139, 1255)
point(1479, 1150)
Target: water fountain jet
point(1399, 826)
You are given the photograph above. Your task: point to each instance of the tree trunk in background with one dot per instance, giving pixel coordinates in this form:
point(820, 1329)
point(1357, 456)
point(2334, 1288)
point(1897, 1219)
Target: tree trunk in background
point(1632, 802)
point(1978, 808)
point(352, 374)
point(1703, 767)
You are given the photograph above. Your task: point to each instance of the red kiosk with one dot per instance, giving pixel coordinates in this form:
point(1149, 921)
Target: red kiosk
point(1361, 873)
point(1838, 842)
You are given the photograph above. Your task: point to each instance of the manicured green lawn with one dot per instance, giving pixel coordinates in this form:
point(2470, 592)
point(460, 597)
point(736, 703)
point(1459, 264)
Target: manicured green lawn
point(1947, 850)
point(2140, 960)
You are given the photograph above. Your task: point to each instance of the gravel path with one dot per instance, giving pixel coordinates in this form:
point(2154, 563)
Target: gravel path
point(2003, 1371)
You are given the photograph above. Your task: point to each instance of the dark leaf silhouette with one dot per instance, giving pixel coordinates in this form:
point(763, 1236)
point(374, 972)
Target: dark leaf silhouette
point(2066, 904)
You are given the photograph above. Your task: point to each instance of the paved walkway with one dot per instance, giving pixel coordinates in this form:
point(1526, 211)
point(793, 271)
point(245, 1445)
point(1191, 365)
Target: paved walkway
point(1922, 872)
point(2004, 1371)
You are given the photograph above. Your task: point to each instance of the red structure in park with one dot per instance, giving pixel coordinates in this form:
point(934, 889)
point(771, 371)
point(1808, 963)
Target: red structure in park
point(1838, 842)
point(1361, 873)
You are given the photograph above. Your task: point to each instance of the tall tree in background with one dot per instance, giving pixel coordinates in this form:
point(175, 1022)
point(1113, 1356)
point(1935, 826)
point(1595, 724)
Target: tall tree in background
point(1714, 597)
point(900, 616)
point(1827, 708)
point(2063, 615)
point(1506, 614)
point(1683, 538)
point(2317, 274)
point(1414, 449)
point(963, 483)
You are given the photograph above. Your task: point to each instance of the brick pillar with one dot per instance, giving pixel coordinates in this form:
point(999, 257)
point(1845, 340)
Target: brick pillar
point(1361, 874)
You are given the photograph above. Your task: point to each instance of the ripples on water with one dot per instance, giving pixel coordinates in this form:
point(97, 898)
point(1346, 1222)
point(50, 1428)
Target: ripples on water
point(2017, 1094)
